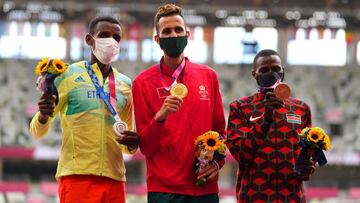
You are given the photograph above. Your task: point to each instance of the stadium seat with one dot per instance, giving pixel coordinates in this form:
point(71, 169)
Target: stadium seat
point(49, 188)
point(16, 197)
point(136, 189)
point(228, 191)
point(2, 198)
point(321, 192)
point(22, 187)
point(38, 198)
point(354, 193)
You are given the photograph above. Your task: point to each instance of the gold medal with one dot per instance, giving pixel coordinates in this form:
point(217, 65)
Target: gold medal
point(179, 90)
point(282, 91)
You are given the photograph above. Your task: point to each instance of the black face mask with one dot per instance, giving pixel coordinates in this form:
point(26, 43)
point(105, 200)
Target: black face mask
point(269, 79)
point(173, 46)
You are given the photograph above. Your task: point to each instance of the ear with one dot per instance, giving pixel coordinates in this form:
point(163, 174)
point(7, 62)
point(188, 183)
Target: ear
point(283, 76)
point(89, 40)
point(253, 74)
point(157, 39)
point(187, 34)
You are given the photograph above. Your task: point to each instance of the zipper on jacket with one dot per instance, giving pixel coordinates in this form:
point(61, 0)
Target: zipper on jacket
point(276, 165)
point(102, 138)
point(101, 111)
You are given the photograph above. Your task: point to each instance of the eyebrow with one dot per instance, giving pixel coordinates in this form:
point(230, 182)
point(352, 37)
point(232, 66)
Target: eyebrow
point(176, 27)
point(108, 32)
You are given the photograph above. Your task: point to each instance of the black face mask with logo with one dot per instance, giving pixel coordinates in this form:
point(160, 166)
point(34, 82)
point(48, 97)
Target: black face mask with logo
point(267, 80)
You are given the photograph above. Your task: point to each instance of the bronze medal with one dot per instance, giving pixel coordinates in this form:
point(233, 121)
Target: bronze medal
point(282, 91)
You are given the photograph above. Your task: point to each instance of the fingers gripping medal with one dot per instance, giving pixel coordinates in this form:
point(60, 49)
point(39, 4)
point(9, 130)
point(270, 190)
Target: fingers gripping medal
point(119, 126)
point(179, 90)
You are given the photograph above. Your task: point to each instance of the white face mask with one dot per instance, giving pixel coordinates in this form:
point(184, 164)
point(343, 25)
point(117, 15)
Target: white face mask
point(106, 49)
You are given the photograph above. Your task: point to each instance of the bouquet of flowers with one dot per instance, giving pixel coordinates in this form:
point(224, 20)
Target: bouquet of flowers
point(209, 147)
point(48, 70)
point(312, 143)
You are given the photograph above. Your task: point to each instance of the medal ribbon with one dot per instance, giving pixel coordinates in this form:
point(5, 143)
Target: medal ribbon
point(112, 89)
point(174, 76)
point(100, 91)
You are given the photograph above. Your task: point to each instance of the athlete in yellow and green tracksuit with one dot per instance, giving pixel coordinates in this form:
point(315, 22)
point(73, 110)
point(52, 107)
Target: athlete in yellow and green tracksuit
point(88, 139)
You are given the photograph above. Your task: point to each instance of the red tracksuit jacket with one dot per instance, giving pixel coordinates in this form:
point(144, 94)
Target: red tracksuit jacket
point(266, 161)
point(169, 146)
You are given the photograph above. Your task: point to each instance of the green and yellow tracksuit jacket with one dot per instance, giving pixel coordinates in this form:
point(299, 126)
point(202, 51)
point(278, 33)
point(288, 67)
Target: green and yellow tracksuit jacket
point(88, 139)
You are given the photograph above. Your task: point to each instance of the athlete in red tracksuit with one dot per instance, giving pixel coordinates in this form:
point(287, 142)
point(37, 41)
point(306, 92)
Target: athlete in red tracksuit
point(168, 125)
point(169, 145)
point(263, 137)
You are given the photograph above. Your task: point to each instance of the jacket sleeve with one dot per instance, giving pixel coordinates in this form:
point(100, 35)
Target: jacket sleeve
point(148, 129)
point(243, 137)
point(308, 122)
point(37, 129)
point(127, 115)
point(218, 123)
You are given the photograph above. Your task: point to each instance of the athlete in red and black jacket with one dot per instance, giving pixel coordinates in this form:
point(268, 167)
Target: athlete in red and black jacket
point(262, 136)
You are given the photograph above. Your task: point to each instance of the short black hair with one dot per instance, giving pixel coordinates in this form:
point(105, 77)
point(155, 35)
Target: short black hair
point(96, 20)
point(263, 53)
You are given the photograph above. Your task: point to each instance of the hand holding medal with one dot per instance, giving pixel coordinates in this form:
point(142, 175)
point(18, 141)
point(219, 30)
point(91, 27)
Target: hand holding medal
point(272, 82)
point(119, 125)
point(178, 92)
point(176, 89)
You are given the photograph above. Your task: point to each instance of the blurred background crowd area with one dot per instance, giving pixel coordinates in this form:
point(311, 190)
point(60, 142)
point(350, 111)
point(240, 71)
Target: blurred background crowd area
point(318, 42)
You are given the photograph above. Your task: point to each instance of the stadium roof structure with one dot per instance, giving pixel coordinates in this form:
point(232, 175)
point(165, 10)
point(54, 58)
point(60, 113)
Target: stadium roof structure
point(268, 13)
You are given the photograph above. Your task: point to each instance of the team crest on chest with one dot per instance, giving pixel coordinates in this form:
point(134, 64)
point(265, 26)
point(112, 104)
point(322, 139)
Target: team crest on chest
point(203, 93)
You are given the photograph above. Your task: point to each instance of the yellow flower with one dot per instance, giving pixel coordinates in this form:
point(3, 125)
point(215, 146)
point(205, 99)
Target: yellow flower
point(316, 134)
point(42, 66)
point(211, 141)
point(59, 66)
point(327, 142)
point(222, 147)
point(304, 132)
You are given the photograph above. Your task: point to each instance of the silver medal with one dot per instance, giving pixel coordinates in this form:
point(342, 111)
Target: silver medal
point(119, 126)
